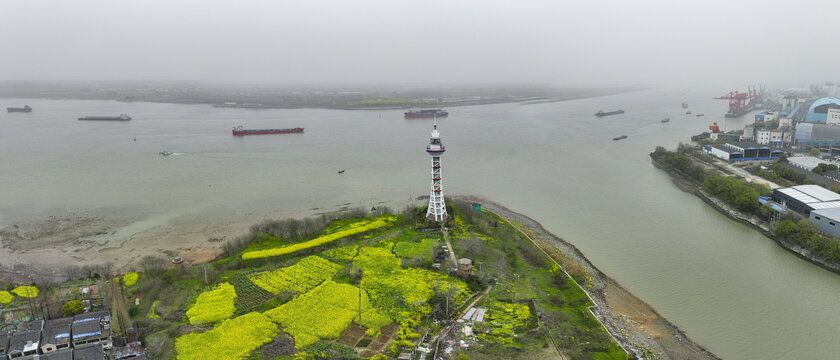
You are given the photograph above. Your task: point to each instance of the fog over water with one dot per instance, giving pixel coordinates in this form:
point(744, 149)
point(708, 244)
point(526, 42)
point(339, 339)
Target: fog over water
point(580, 43)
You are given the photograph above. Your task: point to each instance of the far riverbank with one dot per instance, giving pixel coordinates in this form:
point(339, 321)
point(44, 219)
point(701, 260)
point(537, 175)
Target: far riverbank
point(690, 185)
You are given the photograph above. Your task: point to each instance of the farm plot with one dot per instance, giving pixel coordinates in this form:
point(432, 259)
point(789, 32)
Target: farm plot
point(232, 339)
point(324, 312)
point(300, 277)
point(248, 294)
point(213, 305)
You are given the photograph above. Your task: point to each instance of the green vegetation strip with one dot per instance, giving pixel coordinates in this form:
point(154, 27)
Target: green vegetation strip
point(355, 228)
point(409, 250)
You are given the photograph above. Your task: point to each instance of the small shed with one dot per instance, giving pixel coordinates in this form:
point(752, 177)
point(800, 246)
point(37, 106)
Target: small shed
point(465, 266)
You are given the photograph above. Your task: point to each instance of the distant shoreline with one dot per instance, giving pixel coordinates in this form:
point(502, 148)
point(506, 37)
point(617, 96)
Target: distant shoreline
point(287, 99)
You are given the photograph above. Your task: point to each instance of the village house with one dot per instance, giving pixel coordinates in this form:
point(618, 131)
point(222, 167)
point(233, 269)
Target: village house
point(56, 335)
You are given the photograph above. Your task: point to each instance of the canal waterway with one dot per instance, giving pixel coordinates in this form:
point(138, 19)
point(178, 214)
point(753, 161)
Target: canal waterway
point(727, 286)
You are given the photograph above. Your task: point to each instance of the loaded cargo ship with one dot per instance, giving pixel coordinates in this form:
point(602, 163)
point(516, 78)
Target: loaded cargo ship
point(240, 131)
point(24, 109)
point(122, 117)
point(601, 113)
point(429, 113)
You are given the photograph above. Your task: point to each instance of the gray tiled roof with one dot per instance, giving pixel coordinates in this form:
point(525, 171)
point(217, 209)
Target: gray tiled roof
point(86, 329)
point(63, 354)
point(20, 338)
point(89, 352)
point(4, 340)
point(56, 331)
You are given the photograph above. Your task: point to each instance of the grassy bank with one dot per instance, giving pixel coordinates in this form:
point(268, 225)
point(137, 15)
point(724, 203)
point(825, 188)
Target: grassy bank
point(352, 287)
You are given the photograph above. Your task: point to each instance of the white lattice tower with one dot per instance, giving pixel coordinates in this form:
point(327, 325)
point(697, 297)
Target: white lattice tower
point(437, 208)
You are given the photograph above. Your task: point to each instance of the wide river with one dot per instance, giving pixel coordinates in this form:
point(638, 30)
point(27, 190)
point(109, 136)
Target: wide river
point(727, 286)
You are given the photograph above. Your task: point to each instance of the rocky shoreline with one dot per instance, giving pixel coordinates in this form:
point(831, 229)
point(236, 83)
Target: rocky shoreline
point(636, 325)
point(688, 185)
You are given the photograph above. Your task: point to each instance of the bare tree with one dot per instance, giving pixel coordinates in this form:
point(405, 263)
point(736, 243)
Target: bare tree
point(152, 263)
point(157, 345)
point(473, 246)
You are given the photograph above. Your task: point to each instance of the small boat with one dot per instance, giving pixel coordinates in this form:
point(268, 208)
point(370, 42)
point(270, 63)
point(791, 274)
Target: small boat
point(688, 112)
point(602, 113)
point(685, 105)
point(426, 113)
point(341, 171)
point(165, 153)
point(620, 137)
point(122, 117)
point(241, 131)
point(24, 109)
point(665, 120)
point(699, 115)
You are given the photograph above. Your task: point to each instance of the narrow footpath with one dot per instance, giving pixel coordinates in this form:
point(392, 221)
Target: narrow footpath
point(449, 246)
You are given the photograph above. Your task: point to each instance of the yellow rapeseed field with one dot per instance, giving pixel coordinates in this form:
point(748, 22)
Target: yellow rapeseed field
point(213, 305)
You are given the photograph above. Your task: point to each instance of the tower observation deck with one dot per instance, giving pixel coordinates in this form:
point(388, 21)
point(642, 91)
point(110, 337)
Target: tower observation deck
point(437, 208)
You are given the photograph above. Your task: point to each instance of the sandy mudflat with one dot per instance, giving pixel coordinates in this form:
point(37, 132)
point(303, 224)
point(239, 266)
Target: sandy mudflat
point(50, 245)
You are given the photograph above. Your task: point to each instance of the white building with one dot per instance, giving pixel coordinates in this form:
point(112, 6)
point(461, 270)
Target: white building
point(785, 121)
point(776, 137)
point(762, 136)
point(833, 117)
point(827, 221)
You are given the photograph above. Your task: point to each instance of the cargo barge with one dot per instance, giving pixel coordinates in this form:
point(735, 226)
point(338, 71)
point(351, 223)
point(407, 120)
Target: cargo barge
point(24, 109)
point(734, 113)
point(601, 113)
point(429, 113)
point(238, 131)
point(122, 117)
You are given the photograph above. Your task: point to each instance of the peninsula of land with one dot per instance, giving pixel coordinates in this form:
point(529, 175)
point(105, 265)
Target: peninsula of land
point(69, 246)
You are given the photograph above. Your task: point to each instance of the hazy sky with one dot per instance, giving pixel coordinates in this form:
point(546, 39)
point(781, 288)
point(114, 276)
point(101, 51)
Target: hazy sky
point(584, 42)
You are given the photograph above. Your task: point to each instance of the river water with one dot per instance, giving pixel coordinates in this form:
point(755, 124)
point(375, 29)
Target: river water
point(727, 286)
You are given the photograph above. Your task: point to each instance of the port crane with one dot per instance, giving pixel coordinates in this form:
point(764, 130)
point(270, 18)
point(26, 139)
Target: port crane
point(737, 102)
point(741, 102)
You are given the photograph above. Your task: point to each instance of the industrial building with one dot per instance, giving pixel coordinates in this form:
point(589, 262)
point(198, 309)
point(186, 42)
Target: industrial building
point(827, 221)
point(743, 151)
point(815, 134)
point(818, 111)
point(806, 198)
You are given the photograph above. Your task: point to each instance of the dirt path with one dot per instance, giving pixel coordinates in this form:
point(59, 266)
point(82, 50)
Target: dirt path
point(451, 250)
